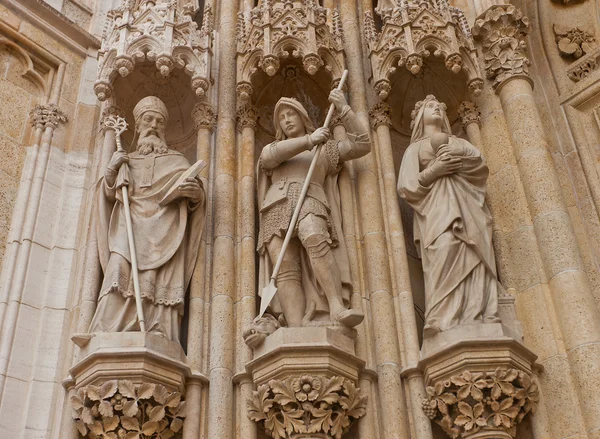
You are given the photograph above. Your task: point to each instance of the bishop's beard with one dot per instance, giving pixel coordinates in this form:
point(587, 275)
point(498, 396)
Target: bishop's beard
point(152, 143)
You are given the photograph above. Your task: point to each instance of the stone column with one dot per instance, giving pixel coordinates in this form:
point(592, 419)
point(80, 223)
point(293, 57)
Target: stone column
point(45, 119)
point(204, 119)
point(471, 121)
point(222, 324)
point(394, 422)
point(247, 116)
point(502, 30)
point(403, 300)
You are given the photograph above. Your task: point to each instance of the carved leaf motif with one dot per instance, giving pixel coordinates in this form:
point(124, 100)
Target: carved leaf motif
point(275, 426)
point(160, 394)
point(157, 414)
point(292, 420)
point(105, 408)
point(93, 392)
point(149, 427)
point(130, 423)
point(177, 424)
point(108, 389)
point(340, 423)
point(127, 389)
point(355, 404)
point(260, 404)
point(329, 389)
point(284, 393)
point(321, 420)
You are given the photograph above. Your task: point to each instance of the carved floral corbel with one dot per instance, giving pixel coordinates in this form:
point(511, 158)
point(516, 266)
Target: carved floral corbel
point(494, 401)
point(307, 404)
point(502, 30)
point(124, 410)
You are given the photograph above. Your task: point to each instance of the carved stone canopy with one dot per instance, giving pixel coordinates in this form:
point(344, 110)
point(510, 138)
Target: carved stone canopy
point(156, 31)
point(278, 30)
point(412, 33)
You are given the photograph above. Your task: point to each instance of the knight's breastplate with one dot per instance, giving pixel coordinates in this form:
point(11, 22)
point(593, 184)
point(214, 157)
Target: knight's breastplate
point(292, 171)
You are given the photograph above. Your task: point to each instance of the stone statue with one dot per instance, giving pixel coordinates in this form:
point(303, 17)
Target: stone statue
point(443, 178)
point(167, 234)
point(314, 281)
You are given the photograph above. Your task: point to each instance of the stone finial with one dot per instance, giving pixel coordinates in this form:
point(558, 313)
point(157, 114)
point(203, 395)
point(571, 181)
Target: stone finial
point(49, 115)
point(297, 405)
point(476, 402)
point(469, 113)
point(204, 116)
point(124, 409)
point(247, 116)
point(501, 31)
point(380, 114)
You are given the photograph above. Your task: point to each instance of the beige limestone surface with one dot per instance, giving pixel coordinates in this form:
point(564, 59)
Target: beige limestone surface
point(538, 130)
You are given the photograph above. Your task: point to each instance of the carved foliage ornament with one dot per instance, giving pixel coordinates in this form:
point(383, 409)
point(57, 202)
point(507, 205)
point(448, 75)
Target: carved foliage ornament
point(307, 404)
point(469, 113)
point(44, 116)
point(381, 115)
point(574, 42)
point(123, 410)
point(502, 30)
point(470, 402)
point(204, 116)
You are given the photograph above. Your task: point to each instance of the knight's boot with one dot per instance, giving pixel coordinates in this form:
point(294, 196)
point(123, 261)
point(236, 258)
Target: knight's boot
point(290, 294)
point(329, 278)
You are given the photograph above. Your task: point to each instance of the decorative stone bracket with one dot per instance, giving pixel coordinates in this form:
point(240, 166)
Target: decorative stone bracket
point(156, 31)
point(122, 409)
point(468, 403)
point(479, 379)
point(306, 383)
point(275, 30)
point(307, 404)
point(411, 33)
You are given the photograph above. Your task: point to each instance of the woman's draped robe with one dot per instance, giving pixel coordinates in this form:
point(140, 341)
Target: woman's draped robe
point(453, 234)
point(167, 240)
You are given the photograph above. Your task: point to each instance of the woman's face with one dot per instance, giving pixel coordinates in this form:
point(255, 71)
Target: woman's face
point(433, 114)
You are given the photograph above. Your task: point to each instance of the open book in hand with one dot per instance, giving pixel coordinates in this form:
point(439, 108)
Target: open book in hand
point(192, 172)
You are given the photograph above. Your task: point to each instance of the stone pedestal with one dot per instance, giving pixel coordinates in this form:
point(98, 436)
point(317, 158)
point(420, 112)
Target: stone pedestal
point(128, 382)
point(306, 384)
point(135, 356)
point(479, 381)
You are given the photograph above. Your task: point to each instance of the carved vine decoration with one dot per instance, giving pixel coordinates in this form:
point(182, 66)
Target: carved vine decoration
point(574, 42)
point(307, 404)
point(502, 31)
point(123, 410)
point(470, 402)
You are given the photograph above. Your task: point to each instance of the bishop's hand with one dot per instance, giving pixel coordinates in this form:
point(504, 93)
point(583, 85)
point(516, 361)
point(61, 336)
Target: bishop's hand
point(191, 188)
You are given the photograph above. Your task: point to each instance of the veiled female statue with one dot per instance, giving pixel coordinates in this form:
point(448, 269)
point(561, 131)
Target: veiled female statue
point(443, 178)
